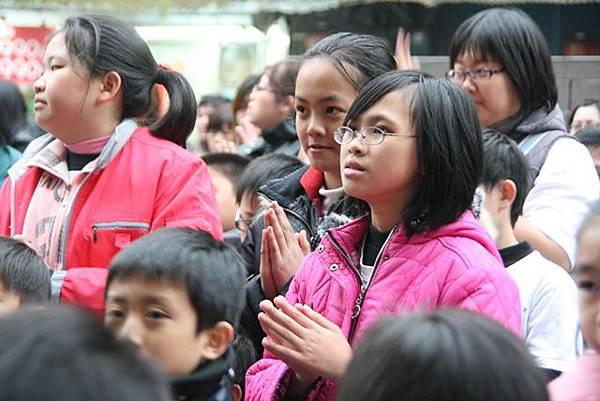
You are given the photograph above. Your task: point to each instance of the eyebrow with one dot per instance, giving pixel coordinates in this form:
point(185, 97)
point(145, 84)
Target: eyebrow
point(332, 98)
point(581, 269)
point(378, 117)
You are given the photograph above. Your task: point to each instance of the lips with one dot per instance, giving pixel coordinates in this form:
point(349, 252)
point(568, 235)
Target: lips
point(38, 102)
point(316, 146)
point(353, 165)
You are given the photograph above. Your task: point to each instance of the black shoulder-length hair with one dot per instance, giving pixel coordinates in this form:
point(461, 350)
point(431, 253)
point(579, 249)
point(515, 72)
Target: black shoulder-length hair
point(511, 38)
point(358, 58)
point(446, 355)
point(104, 44)
point(449, 147)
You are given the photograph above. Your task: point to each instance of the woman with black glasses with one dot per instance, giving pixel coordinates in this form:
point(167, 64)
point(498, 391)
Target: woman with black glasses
point(500, 57)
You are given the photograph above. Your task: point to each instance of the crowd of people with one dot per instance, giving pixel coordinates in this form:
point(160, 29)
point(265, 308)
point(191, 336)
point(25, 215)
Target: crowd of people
point(347, 227)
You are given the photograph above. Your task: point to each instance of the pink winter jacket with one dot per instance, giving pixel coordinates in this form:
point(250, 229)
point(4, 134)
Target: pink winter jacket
point(456, 265)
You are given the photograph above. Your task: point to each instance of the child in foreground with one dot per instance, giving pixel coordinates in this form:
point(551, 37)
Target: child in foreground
point(177, 295)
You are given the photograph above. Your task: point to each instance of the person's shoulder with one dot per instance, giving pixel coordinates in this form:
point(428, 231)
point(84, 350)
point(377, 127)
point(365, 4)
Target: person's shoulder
point(150, 147)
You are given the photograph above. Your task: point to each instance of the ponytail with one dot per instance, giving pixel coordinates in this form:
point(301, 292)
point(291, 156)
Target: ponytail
point(178, 121)
point(104, 44)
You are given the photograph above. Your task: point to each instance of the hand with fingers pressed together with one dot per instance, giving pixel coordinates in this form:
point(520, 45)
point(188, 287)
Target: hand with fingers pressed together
point(282, 251)
point(305, 341)
point(402, 54)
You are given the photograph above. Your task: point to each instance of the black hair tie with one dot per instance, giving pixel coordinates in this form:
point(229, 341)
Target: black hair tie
point(161, 76)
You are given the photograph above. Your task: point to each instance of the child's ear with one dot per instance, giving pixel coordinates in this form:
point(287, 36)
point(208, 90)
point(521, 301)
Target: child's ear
point(236, 392)
point(509, 193)
point(110, 86)
point(218, 339)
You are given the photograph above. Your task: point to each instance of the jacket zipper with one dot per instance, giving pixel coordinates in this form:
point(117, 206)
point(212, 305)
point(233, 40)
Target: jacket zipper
point(118, 224)
point(67, 226)
point(357, 308)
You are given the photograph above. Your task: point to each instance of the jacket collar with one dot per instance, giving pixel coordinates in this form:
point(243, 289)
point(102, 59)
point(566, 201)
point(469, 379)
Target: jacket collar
point(117, 141)
point(211, 381)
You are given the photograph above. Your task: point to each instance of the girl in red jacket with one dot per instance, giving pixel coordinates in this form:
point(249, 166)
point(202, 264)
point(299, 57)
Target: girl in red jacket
point(98, 181)
point(410, 148)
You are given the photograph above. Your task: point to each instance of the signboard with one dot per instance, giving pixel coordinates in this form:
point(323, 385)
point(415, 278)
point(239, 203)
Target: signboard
point(21, 53)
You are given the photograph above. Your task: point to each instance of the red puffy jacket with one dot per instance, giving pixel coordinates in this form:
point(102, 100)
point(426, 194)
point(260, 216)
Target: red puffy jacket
point(143, 184)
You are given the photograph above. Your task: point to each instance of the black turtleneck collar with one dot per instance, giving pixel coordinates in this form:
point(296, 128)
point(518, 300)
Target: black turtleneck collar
point(212, 381)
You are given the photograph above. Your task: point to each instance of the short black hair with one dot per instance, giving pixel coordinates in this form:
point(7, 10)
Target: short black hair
point(583, 103)
point(231, 165)
point(221, 118)
point(510, 37)
point(14, 112)
point(245, 356)
point(449, 152)
point(358, 58)
point(103, 44)
point(503, 160)
point(589, 136)
point(211, 271)
point(213, 100)
point(23, 272)
point(446, 355)
point(265, 168)
point(282, 77)
point(62, 354)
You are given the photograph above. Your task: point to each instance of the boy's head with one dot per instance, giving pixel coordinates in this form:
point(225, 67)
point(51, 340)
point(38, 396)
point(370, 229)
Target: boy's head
point(176, 294)
point(225, 171)
point(259, 171)
point(61, 354)
point(245, 356)
point(24, 277)
point(504, 179)
point(587, 277)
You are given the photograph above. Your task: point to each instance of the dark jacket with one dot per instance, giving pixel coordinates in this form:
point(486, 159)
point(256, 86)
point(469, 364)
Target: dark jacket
point(212, 381)
point(298, 195)
point(281, 139)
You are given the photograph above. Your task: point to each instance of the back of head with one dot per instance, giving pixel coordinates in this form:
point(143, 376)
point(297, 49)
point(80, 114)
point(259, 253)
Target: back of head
point(511, 38)
point(446, 355)
point(104, 44)
point(503, 160)
point(265, 168)
point(231, 165)
point(14, 112)
point(23, 272)
point(449, 153)
point(213, 101)
point(359, 58)
point(61, 354)
point(211, 271)
point(282, 77)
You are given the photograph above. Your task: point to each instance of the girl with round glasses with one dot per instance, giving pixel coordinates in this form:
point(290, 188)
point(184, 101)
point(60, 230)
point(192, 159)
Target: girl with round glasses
point(312, 198)
point(501, 59)
point(418, 247)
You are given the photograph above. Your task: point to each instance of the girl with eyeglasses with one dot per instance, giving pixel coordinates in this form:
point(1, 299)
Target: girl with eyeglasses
point(501, 59)
point(303, 204)
point(411, 149)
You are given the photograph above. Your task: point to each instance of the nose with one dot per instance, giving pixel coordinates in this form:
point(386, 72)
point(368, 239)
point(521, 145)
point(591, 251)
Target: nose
point(315, 127)
point(467, 84)
point(39, 84)
point(131, 331)
point(356, 146)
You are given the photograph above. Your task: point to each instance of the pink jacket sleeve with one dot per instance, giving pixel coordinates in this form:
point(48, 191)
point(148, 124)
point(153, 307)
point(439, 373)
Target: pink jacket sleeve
point(268, 378)
point(5, 208)
point(187, 199)
point(486, 290)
